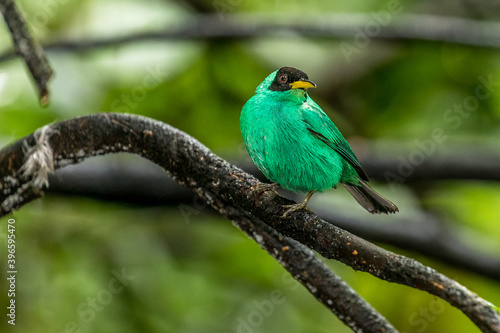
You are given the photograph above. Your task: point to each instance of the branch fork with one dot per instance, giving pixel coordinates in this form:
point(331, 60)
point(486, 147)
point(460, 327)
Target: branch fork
point(229, 190)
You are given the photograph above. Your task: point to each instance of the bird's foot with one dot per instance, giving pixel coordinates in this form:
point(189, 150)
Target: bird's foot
point(269, 190)
point(299, 206)
point(294, 207)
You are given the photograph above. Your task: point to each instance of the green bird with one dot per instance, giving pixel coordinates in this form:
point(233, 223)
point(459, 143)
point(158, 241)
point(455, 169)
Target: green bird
point(296, 146)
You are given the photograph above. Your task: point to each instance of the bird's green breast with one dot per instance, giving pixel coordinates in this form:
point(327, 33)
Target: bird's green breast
point(279, 143)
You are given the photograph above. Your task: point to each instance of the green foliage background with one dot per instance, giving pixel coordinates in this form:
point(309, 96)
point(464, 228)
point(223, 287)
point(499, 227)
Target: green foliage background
point(200, 274)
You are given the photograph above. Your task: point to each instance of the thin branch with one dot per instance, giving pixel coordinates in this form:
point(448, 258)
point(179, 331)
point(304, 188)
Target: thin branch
point(464, 162)
point(223, 186)
point(424, 233)
point(27, 48)
point(332, 26)
point(394, 166)
point(312, 273)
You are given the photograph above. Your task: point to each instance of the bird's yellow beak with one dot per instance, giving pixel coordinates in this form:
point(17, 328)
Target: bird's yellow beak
point(304, 84)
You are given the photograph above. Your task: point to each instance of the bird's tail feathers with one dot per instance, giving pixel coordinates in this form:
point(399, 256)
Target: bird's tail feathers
point(370, 200)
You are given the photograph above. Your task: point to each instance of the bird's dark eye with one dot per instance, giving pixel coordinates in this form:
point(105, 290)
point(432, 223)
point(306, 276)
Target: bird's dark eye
point(283, 78)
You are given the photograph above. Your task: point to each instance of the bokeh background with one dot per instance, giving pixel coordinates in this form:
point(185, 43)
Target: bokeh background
point(86, 264)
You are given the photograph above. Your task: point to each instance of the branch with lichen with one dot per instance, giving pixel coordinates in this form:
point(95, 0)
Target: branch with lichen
point(227, 189)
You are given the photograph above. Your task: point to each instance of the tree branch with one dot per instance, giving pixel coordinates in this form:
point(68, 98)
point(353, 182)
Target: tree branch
point(222, 185)
point(312, 273)
point(27, 48)
point(464, 162)
point(425, 234)
point(339, 26)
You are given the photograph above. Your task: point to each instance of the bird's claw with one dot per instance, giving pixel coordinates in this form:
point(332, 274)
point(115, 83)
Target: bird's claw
point(301, 205)
point(295, 207)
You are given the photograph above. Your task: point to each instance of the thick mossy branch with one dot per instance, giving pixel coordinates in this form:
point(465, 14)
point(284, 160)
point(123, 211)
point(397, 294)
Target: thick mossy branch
point(226, 188)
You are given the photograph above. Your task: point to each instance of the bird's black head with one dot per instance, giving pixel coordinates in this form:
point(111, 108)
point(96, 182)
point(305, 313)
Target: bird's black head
point(290, 78)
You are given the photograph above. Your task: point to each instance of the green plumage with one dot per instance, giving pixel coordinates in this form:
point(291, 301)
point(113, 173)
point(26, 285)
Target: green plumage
point(294, 143)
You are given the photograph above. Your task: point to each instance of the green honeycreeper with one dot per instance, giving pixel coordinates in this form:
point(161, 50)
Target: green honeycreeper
point(294, 143)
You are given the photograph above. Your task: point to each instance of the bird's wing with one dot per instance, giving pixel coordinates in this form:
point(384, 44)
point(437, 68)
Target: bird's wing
point(323, 129)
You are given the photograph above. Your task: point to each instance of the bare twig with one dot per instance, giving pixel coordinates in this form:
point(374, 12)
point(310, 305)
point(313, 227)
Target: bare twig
point(450, 162)
point(338, 26)
point(223, 186)
point(27, 48)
